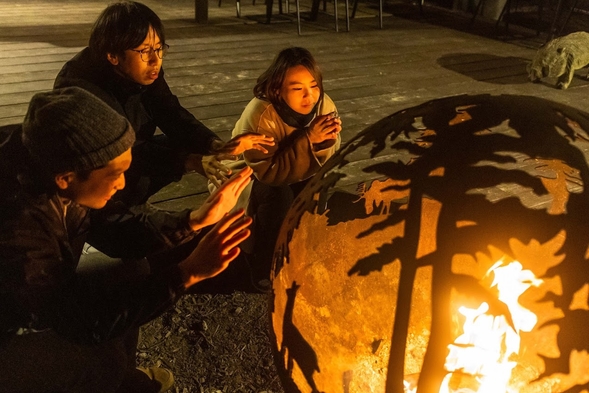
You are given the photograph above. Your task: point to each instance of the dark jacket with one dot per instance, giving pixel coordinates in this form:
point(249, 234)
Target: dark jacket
point(156, 163)
point(146, 107)
point(41, 239)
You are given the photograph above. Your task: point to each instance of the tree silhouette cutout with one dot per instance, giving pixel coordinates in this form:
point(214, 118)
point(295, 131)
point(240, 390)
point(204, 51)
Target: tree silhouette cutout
point(514, 166)
point(294, 346)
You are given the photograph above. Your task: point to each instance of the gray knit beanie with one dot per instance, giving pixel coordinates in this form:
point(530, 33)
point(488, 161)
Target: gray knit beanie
point(70, 129)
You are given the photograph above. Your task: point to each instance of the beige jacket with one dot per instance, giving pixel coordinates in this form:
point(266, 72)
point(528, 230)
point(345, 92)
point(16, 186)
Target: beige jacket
point(293, 158)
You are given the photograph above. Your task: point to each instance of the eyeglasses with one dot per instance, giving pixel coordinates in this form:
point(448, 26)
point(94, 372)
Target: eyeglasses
point(147, 53)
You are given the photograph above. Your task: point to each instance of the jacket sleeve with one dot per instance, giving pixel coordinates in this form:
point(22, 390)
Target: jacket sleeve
point(134, 232)
point(34, 270)
point(293, 158)
point(41, 289)
point(183, 129)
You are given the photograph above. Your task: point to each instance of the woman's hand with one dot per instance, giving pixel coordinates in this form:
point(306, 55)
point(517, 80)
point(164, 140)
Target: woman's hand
point(216, 249)
point(323, 128)
point(221, 201)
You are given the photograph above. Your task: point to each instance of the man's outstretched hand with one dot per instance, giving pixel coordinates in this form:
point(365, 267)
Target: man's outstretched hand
point(215, 170)
point(212, 165)
point(221, 201)
point(216, 249)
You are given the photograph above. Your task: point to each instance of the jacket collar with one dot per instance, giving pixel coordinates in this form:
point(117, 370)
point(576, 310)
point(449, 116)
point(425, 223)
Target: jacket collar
point(121, 85)
point(293, 118)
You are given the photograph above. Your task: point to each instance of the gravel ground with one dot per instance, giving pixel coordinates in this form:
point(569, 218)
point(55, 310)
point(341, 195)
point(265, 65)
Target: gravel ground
point(214, 342)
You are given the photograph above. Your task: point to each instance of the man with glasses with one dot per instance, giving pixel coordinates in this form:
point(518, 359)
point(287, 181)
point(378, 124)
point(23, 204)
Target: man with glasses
point(122, 65)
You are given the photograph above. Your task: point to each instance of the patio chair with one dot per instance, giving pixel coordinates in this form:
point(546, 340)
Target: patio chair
point(237, 7)
point(379, 11)
point(315, 10)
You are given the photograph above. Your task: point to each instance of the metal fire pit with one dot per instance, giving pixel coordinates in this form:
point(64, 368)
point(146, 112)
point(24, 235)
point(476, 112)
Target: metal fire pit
point(400, 228)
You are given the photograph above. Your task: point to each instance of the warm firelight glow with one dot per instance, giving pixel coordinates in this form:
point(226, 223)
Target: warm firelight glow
point(482, 358)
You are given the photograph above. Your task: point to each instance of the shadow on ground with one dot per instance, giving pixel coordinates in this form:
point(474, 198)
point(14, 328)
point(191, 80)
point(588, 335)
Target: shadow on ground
point(487, 68)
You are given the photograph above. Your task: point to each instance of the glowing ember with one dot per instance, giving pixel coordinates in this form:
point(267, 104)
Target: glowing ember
point(482, 358)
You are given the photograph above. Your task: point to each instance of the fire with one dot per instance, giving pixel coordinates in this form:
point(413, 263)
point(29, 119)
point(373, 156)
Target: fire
point(481, 358)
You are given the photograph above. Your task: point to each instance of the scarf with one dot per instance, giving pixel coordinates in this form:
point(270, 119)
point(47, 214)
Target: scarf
point(293, 118)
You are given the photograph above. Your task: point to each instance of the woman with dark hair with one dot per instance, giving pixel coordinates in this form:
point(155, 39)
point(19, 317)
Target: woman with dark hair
point(123, 67)
point(291, 107)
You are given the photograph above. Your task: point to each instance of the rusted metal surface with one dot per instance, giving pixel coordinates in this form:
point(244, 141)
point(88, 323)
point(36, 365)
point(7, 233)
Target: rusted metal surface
point(369, 271)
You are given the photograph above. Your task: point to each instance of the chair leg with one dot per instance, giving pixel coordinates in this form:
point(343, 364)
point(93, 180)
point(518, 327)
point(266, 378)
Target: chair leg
point(504, 15)
point(566, 20)
point(314, 10)
point(298, 16)
point(552, 31)
point(268, 10)
point(354, 8)
point(540, 16)
point(347, 15)
point(335, 16)
point(476, 11)
point(219, 3)
point(380, 14)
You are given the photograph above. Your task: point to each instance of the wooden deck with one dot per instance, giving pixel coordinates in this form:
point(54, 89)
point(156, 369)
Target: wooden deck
point(369, 72)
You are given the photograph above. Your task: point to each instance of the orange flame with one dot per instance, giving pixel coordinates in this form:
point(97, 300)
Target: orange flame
point(482, 357)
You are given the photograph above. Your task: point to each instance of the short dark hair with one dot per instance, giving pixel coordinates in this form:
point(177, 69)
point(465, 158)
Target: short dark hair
point(38, 179)
point(269, 83)
point(123, 26)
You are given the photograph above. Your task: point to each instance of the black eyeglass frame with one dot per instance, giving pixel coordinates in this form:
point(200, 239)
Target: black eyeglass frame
point(159, 52)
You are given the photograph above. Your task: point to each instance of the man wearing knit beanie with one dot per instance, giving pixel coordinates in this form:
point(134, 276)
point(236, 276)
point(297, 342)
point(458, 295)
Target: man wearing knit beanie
point(70, 129)
point(69, 132)
point(61, 330)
